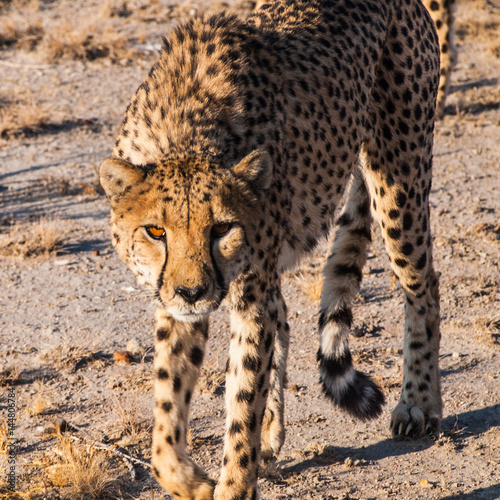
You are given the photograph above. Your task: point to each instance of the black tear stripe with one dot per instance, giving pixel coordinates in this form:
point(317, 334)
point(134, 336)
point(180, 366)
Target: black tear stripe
point(159, 284)
point(219, 278)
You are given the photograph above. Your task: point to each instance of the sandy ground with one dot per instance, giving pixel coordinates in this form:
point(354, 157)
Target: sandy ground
point(63, 317)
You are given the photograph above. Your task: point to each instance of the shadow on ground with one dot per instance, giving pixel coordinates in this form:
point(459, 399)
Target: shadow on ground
point(473, 423)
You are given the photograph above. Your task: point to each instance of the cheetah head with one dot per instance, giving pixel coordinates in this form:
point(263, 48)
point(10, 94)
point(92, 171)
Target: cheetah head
point(183, 226)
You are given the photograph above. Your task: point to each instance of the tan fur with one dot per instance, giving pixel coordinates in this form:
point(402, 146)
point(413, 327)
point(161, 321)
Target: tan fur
point(443, 15)
point(232, 160)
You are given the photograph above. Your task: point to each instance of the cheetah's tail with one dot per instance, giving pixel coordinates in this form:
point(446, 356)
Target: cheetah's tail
point(351, 390)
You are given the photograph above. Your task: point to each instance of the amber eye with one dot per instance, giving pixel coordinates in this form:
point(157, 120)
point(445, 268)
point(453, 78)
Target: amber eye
point(157, 233)
point(220, 230)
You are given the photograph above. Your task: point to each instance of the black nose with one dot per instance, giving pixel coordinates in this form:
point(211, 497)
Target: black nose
point(190, 295)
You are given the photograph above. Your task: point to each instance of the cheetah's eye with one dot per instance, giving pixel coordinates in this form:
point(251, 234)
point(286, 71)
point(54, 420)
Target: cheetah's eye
point(157, 233)
point(219, 230)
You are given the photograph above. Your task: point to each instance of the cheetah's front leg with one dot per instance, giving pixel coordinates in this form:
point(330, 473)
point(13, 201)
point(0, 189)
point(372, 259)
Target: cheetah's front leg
point(247, 382)
point(179, 350)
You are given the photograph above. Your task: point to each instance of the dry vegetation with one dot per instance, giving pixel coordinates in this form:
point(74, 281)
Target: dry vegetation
point(66, 186)
point(71, 469)
point(21, 27)
point(131, 428)
point(42, 403)
point(310, 283)
point(82, 470)
point(70, 358)
point(20, 32)
point(488, 329)
point(211, 381)
point(43, 238)
point(10, 376)
point(22, 116)
point(88, 40)
point(4, 439)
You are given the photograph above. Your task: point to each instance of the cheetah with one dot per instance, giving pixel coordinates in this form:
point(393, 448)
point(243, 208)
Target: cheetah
point(443, 15)
point(249, 141)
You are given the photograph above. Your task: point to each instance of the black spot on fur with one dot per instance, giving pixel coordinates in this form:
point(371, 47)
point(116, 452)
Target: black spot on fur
point(235, 428)
point(177, 383)
point(196, 356)
point(162, 334)
point(245, 396)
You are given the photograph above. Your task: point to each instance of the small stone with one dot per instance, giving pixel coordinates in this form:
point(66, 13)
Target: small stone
point(135, 348)
point(58, 426)
point(125, 356)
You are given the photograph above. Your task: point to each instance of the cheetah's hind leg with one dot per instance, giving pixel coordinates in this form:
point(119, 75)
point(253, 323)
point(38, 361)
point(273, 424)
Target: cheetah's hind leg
point(396, 162)
point(348, 388)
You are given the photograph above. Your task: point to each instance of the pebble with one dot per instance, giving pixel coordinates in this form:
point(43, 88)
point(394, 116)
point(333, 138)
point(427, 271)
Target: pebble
point(125, 356)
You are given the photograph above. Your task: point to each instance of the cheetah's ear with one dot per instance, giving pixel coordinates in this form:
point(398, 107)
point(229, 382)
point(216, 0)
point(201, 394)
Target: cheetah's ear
point(118, 175)
point(256, 169)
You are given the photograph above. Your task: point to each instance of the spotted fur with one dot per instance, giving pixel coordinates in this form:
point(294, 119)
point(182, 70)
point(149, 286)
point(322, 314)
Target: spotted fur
point(443, 15)
point(232, 160)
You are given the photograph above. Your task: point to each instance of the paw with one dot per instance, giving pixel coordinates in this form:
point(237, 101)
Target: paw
point(204, 491)
point(184, 482)
point(199, 491)
point(269, 469)
point(235, 493)
point(411, 421)
point(272, 437)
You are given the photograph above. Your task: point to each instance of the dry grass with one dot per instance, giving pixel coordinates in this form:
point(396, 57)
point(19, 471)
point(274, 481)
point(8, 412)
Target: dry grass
point(117, 8)
point(135, 376)
point(66, 186)
point(69, 357)
point(22, 27)
point(22, 116)
point(84, 471)
point(130, 429)
point(21, 32)
point(10, 376)
point(311, 284)
point(136, 349)
point(488, 329)
point(211, 380)
point(42, 404)
point(4, 439)
point(43, 238)
point(88, 40)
